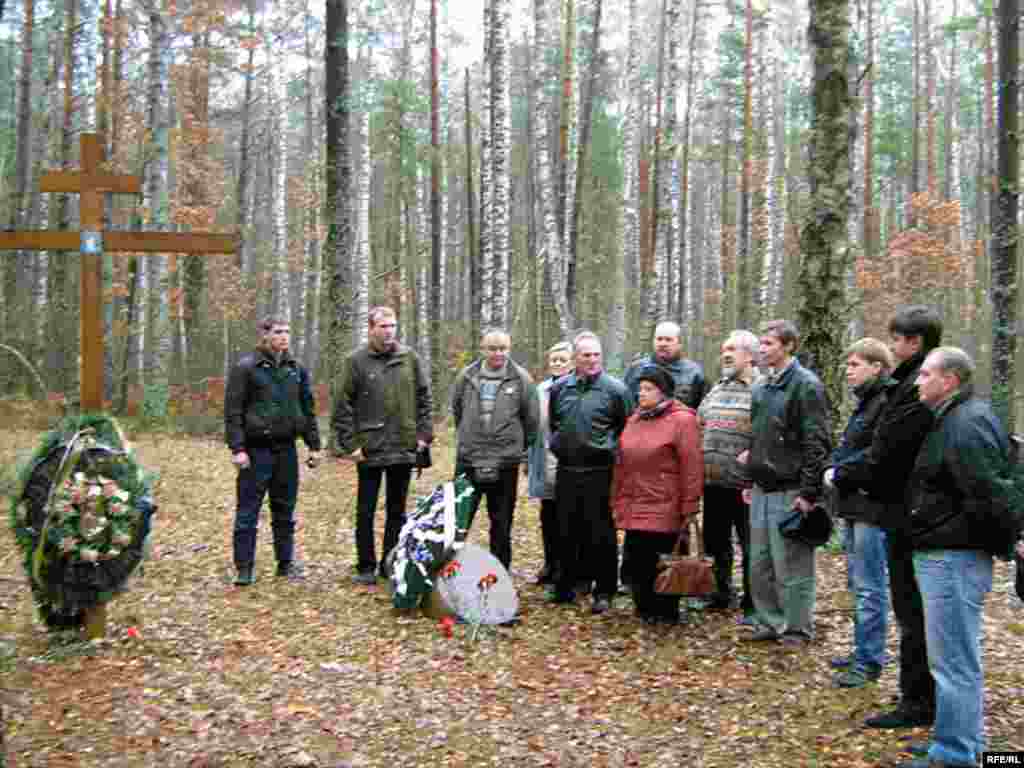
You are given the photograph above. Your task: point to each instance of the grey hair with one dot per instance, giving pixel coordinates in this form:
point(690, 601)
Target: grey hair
point(669, 328)
point(561, 346)
point(586, 336)
point(747, 340)
point(955, 361)
point(495, 330)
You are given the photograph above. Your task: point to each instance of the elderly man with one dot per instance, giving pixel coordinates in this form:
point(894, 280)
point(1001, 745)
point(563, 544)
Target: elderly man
point(494, 403)
point(957, 494)
point(586, 415)
point(668, 353)
point(381, 419)
point(788, 452)
point(725, 423)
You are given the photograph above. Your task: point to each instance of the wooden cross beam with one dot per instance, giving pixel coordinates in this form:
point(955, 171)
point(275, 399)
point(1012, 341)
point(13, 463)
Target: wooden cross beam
point(92, 182)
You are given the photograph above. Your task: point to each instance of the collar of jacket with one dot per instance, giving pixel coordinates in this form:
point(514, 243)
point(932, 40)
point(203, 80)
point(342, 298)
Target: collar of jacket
point(266, 357)
point(908, 366)
point(397, 351)
point(951, 402)
point(869, 389)
point(781, 378)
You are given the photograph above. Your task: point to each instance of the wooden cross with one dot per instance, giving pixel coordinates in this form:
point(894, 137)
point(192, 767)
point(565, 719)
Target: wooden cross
point(92, 182)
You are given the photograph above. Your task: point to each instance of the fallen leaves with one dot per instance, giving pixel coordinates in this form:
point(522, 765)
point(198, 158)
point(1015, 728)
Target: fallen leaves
point(324, 674)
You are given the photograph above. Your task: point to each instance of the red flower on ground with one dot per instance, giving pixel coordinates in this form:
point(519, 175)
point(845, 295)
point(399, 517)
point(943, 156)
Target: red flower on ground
point(450, 568)
point(133, 633)
point(486, 582)
point(447, 625)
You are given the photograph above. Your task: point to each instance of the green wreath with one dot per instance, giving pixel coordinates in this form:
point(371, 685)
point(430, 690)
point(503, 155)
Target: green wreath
point(81, 515)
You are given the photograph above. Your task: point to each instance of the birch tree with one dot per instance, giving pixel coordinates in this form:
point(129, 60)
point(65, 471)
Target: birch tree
point(501, 150)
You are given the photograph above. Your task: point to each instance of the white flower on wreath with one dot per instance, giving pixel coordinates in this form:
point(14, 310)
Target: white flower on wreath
point(89, 555)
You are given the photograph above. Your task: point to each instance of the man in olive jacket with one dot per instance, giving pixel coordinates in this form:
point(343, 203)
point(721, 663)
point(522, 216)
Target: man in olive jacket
point(958, 495)
point(494, 404)
point(381, 419)
point(267, 405)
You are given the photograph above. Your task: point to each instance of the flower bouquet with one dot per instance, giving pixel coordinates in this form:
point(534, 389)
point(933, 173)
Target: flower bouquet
point(81, 517)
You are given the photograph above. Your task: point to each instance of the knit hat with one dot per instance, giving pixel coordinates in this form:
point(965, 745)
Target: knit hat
point(659, 377)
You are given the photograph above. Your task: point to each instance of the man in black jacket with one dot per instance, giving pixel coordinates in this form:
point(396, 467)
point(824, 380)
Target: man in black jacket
point(914, 331)
point(268, 404)
point(789, 448)
point(587, 413)
point(958, 495)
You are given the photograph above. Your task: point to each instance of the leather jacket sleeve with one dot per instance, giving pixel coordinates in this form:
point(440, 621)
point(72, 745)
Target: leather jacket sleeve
point(343, 418)
point(234, 407)
point(815, 440)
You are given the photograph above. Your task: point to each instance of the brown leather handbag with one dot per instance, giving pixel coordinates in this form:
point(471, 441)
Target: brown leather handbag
point(683, 574)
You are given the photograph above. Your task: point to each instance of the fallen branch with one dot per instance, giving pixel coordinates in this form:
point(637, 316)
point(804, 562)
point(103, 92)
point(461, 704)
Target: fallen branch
point(39, 379)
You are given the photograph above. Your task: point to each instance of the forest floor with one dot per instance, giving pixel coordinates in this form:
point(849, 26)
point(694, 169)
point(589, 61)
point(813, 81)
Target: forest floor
point(196, 672)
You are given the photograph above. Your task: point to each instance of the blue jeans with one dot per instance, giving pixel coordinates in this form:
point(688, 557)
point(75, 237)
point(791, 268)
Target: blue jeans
point(782, 579)
point(871, 586)
point(953, 585)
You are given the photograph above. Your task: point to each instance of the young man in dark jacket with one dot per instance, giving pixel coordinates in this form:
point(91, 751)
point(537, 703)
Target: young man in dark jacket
point(381, 419)
point(914, 331)
point(587, 413)
point(494, 404)
point(789, 448)
point(267, 405)
point(957, 490)
point(868, 364)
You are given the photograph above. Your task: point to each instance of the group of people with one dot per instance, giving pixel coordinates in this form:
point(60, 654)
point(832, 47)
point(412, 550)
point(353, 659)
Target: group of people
point(915, 474)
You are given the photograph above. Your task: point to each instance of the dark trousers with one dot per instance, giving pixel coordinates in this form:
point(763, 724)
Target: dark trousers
point(917, 687)
point(643, 549)
point(273, 470)
point(398, 477)
point(586, 533)
point(501, 506)
point(549, 534)
point(724, 510)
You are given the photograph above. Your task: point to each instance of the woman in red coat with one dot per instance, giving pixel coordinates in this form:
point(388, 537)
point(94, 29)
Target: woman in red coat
point(659, 479)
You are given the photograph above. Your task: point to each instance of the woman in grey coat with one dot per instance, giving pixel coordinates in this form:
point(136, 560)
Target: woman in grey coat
point(543, 464)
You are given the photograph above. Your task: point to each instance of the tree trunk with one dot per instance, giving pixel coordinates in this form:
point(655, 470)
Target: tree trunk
point(552, 245)
point(586, 114)
point(501, 141)
point(337, 257)
point(823, 239)
point(475, 292)
point(1004, 217)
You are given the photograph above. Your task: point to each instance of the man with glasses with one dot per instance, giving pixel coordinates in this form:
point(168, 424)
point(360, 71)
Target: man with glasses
point(494, 404)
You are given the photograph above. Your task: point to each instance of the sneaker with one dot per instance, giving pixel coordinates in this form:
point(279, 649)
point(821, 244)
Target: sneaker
point(583, 587)
point(841, 662)
point(721, 602)
point(366, 578)
point(554, 597)
point(545, 575)
point(600, 605)
point(902, 717)
point(747, 621)
point(291, 570)
point(245, 577)
point(917, 748)
point(795, 640)
point(858, 676)
point(763, 635)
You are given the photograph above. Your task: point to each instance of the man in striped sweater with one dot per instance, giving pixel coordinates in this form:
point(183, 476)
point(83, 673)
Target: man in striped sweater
point(725, 420)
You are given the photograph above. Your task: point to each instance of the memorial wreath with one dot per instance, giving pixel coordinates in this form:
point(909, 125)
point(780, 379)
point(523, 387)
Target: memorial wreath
point(81, 514)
